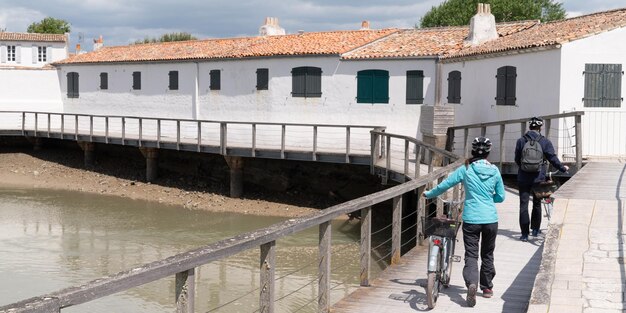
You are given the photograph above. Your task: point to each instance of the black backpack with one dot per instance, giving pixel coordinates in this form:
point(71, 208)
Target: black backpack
point(532, 155)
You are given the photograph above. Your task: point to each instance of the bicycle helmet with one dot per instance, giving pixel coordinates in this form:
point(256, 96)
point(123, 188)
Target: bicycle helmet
point(535, 122)
point(481, 146)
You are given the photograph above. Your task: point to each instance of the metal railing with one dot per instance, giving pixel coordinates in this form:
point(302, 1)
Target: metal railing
point(221, 137)
point(183, 266)
point(566, 134)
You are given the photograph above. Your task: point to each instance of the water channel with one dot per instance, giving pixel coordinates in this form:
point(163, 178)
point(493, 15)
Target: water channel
point(51, 240)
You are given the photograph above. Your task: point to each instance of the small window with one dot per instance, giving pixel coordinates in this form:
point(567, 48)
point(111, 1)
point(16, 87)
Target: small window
point(414, 87)
point(603, 85)
point(72, 85)
point(41, 54)
point(173, 80)
point(215, 80)
point(306, 82)
point(137, 80)
point(104, 81)
point(262, 79)
point(11, 53)
point(454, 87)
point(372, 86)
point(505, 92)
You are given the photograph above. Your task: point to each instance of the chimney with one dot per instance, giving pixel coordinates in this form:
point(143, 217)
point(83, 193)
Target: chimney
point(482, 26)
point(271, 27)
point(77, 48)
point(98, 43)
point(365, 25)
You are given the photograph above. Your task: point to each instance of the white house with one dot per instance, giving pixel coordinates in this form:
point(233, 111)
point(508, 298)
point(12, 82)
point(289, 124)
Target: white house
point(374, 77)
point(32, 50)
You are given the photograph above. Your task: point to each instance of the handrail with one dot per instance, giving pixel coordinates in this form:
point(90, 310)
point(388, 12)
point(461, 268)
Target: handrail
point(183, 265)
point(518, 120)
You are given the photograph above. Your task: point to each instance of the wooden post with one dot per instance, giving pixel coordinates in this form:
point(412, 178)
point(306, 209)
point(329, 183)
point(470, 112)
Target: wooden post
point(348, 144)
point(185, 291)
point(323, 300)
point(140, 131)
point(223, 138)
point(178, 135)
point(158, 133)
point(366, 245)
point(283, 134)
point(123, 131)
point(418, 160)
point(579, 142)
point(502, 133)
point(23, 123)
point(236, 175)
point(431, 158)
point(314, 155)
point(450, 140)
point(253, 140)
point(465, 145)
point(375, 149)
point(387, 161)
point(421, 209)
point(75, 126)
point(396, 230)
point(106, 129)
point(62, 126)
point(406, 160)
point(48, 125)
point(267, 272)
point(36, 123)
point(483, 131)
point(199, 136)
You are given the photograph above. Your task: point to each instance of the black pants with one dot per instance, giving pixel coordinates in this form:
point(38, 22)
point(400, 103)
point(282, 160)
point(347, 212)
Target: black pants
point(524, 198)
point(471, 238)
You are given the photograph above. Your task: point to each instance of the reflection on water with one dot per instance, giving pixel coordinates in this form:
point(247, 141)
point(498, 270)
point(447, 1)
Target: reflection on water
point(51, 240)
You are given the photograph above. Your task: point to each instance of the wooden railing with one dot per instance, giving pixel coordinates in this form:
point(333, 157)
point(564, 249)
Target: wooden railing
point(501, 128)
point(183, 265)
point(249, 139)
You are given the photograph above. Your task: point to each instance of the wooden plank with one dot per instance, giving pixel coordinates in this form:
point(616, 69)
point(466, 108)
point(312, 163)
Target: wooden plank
point(267, 273)
point(396, 229)
point(366, 245)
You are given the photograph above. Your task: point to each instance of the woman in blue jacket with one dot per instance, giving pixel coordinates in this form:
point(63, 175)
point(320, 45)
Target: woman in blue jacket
point(483, 188)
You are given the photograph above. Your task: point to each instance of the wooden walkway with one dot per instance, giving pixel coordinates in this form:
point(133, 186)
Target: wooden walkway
point(401, 288)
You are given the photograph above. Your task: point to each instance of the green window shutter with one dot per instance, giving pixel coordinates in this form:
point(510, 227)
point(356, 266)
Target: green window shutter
point(104, 81)
point(501, 86)
point(298, 82)
point(215, 80)
point(262, 79)
point(612, 85)
point(137, 80)
point(454, 87)
point(381, 86)
point(306, 82)
point(511, 82)
point(593, 85)
point(173, 80)
point(76, 87)
point(414, 87)
point(364, 87)
point(72, 85)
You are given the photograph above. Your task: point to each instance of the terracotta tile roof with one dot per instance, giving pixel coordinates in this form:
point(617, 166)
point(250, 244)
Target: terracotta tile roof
point(318, 43)
point(32, 37)
point(427, 41)
point(548, 34)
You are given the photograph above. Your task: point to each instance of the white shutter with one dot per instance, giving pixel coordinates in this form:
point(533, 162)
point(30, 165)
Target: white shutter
point(18, 54)
point(3, 54)
point(49, 54)
point(34, 54)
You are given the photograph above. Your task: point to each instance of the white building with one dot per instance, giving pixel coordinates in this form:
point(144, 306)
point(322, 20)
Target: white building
point(31, 50)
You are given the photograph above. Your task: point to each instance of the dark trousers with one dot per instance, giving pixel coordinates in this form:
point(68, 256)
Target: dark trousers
point(524, 198)
point(471, 239)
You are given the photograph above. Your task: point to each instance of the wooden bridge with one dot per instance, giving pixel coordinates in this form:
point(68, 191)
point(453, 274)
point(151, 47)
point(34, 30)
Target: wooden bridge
point(396, 158)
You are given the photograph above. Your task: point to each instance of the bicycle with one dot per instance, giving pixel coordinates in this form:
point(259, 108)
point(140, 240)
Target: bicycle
point(442, 231)
point(544, 191)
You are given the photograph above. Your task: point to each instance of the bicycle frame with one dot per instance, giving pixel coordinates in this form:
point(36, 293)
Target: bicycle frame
point(437, 244)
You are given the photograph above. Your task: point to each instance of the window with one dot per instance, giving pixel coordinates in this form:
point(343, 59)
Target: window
point(262, 79)
point(104, 81)
point(173, 80)
point(306, 82)
point(41, 54)
point(454, 87)
point(414, 87)
point(72, 85)
point(215, 80)
point(137, 80)
point(603, 85)
point(505, 92)
point(372, 86)
point(11, 53)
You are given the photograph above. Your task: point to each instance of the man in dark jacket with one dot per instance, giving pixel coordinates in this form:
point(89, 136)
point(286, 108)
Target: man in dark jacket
point(526, 180)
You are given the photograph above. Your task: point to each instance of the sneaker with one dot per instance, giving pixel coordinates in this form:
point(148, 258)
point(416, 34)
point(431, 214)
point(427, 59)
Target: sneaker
point(487, 293)
point(536, 232)
point(471, 295)
point(524, 238)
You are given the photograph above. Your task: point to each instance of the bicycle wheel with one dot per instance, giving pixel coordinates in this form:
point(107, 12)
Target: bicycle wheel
point(445, 276)
point(432, 290)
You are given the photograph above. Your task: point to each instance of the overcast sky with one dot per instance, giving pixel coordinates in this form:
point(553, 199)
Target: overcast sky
point(124, 21)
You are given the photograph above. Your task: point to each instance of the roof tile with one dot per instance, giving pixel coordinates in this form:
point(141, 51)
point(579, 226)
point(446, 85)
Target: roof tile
point(5, 36)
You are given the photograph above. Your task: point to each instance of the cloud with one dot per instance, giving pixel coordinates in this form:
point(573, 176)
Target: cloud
point(17, 19)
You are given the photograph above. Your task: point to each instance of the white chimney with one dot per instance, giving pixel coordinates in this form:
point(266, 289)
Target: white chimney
point(98, 43)
point(271, 27)
point(365, 25)
point(482, 26)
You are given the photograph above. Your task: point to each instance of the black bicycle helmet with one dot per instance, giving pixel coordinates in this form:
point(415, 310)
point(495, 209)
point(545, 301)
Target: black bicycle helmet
point(535, 122)
point(481, 146)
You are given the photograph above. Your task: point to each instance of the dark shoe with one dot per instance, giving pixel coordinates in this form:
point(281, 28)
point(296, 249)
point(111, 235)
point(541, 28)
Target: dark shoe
point(536, 232)
point(471, 295)
point(487, 293)
point(524, 238)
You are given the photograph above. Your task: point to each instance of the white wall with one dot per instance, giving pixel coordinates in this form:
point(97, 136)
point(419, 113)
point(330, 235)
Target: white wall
point(537, 92)
point(27, 53)
point(603, 128)
point(238, 99)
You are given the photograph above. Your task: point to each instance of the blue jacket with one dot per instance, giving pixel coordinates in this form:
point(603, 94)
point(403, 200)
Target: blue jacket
point(483, 189)
point(548, 154)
